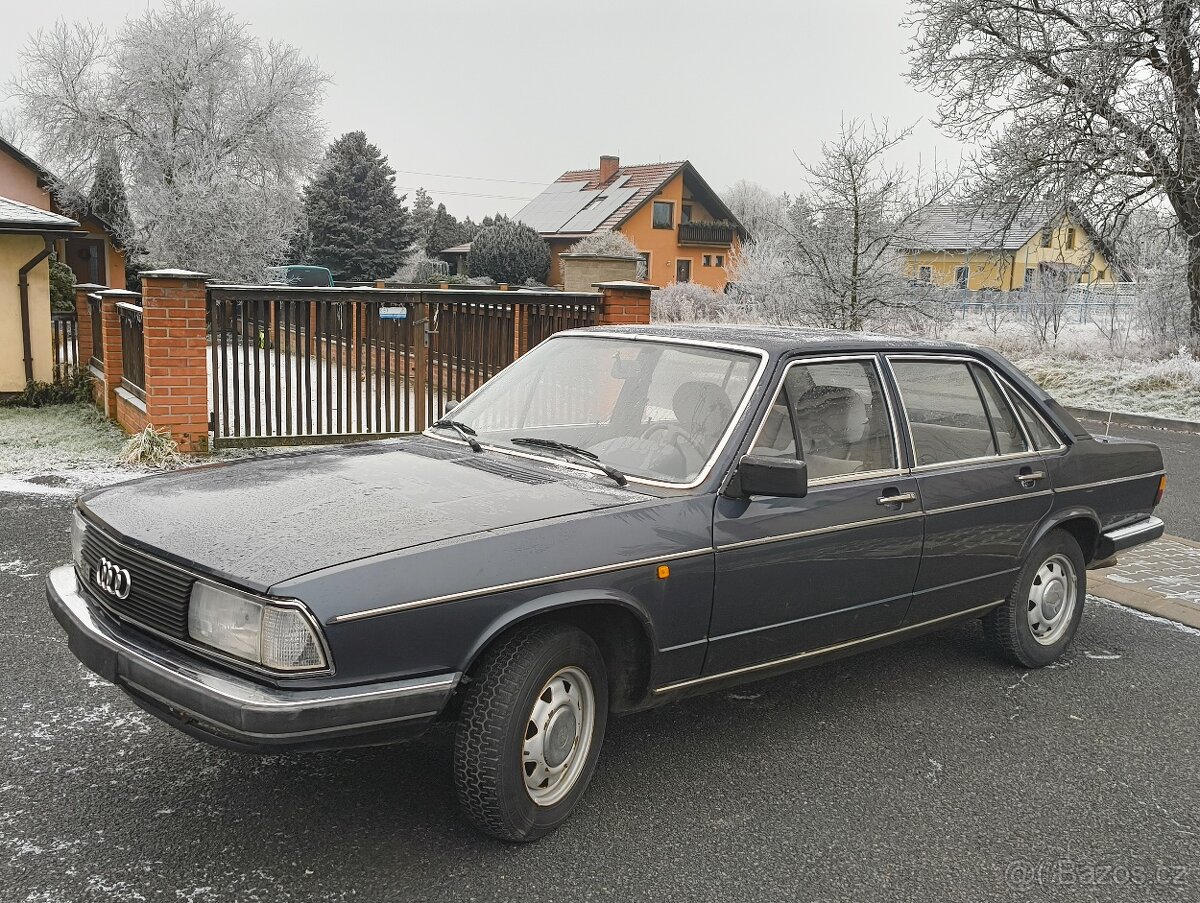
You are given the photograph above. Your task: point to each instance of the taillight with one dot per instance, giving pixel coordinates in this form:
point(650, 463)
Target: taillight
point(1162, 487)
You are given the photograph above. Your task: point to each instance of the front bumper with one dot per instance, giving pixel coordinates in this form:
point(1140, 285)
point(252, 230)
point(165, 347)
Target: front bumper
point(232, 711)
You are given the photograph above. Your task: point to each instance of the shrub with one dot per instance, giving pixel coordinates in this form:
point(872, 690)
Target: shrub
point(685, 302)
point(150, 448)
point(509, 252)
point(605, 244)
point(77, 387)
point(62, 286)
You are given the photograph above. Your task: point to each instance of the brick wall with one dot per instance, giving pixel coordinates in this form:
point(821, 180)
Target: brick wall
point(173, 318)
point(83, 326)
point(624, 303)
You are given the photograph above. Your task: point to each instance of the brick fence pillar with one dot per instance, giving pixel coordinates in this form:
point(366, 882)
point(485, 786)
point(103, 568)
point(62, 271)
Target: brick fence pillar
point(174, 305)
point(624, 302)
point(83, 320)
point(110, 337)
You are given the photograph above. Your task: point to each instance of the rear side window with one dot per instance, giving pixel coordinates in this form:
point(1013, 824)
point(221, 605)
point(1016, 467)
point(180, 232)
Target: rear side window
point(1043, 439)
point(946, 414)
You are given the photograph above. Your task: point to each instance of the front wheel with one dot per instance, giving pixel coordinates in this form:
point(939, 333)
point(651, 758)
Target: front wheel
point(1037, 621)
point(530, 731)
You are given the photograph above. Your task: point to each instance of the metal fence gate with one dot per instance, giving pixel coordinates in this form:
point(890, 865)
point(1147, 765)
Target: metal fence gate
point(290, 365)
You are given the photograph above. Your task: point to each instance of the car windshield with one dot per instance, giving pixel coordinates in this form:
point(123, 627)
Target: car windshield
point(651, 409)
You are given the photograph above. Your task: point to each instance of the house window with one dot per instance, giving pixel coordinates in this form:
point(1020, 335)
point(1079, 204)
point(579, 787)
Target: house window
point(1047, 234)
point(683, 271)
point(1070, 239)
point(961, 274)
point(720, 260)
point(707, 260)
point(643, 267)
point(925, 274)
point(1030, 276)
point(664, 215)
point(685, 214)
point(1101, 274)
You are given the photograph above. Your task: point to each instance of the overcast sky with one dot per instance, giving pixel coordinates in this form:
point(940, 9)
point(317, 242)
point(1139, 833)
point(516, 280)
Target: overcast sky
point(513, 93)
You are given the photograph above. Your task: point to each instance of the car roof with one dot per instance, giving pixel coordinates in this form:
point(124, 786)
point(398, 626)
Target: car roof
point(780, 340)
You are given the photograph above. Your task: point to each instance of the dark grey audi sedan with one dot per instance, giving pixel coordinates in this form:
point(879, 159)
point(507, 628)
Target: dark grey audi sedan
point(622, 517)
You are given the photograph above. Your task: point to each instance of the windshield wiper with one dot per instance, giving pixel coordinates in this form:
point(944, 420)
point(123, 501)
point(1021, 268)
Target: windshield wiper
point(465, 433)
point(581, 455)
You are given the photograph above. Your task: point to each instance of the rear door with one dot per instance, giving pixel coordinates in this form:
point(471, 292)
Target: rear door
point(800, 574)
point(983, 484)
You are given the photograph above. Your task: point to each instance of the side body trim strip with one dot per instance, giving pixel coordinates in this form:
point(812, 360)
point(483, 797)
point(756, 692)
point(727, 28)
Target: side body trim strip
point(824, 650)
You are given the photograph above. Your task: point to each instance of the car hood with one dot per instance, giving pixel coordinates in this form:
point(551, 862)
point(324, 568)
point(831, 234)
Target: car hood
point(261, 521)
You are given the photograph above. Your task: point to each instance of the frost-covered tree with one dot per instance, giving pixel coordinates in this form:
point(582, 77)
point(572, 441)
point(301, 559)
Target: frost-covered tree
point(106, 198)
point(686, 302)
point(757, 209)
point(836, 256)
point(608, 243)
point(360, 227)
point(1096, 102)
point(213, 128)
point(509, 252)
point(423, 215)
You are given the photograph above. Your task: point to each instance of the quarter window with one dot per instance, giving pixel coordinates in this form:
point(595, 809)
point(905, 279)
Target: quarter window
point(837, 413)
point(1043, 438)
point(945, 411)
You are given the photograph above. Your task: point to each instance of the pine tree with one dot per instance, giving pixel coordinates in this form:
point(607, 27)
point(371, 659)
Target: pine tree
point(106, 200)
point(423, 217)
point(447, 231)
point(360, 229)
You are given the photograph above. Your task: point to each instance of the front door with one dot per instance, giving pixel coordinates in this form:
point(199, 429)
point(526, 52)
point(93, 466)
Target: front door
point(838, 564)
point(683, 271)
point(983, 485)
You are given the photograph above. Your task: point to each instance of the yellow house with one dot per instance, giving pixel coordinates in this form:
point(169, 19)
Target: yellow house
point(964, 249)
point(681, 228)
point(27, 236)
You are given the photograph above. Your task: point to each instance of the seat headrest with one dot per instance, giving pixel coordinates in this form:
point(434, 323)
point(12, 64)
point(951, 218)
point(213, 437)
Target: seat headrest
point(832, 414)
point(702, 408)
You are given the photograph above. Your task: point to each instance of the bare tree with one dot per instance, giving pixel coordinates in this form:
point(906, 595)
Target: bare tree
point(213, 128)
point(837, 254)
point(1096, 102)
point(756, 208)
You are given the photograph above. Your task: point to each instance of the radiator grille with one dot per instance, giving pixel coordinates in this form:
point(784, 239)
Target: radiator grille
point(158, 594)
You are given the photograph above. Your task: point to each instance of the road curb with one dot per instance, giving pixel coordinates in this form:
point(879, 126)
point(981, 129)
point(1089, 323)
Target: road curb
point(1162, 423)
point(1146, 600)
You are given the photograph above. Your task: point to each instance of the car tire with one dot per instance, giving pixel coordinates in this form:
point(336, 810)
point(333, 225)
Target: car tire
point(1038, 619)
point(530, 731)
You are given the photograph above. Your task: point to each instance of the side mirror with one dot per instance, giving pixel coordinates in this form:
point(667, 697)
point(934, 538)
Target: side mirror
point(783, 477)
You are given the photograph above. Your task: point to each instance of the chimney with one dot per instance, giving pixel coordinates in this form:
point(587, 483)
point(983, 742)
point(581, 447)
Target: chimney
point(608, 167)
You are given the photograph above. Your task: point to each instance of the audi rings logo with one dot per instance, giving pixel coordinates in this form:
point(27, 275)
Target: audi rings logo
point(112, 579)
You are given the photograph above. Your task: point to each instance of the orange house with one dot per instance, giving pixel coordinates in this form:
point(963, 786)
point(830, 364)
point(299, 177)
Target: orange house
point(682, 229)
point(96, 256)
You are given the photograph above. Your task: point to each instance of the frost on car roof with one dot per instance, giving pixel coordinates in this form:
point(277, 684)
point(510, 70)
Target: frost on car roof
point(776, 340)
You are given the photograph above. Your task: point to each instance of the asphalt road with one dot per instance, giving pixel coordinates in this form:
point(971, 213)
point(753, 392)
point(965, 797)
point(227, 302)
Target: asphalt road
point(929, 771)
point(1180, 507)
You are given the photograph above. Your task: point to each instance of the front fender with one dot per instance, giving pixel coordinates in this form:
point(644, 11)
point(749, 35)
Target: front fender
point(561, 600)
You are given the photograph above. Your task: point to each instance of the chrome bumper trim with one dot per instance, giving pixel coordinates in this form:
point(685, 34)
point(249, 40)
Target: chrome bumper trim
point(194, 694)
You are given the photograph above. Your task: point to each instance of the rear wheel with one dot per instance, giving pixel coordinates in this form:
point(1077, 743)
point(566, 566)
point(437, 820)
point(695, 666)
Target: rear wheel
point(1037, 621)
point(530, 731)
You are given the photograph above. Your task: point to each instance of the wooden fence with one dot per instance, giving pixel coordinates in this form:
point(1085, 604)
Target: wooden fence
point(64, 333)
point(304, 364)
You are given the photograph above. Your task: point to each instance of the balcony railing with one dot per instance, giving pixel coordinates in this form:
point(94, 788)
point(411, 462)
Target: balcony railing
point(706, 233)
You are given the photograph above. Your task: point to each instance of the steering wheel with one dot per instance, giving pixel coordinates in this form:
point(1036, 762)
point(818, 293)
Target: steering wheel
point(674, 432)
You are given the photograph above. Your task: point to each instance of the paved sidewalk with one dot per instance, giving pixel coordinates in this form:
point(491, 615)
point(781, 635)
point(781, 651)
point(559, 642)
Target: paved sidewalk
point(1161, 578)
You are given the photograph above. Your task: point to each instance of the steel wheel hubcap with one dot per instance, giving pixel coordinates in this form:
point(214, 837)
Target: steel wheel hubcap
point(1052, 600)
point(558, 736)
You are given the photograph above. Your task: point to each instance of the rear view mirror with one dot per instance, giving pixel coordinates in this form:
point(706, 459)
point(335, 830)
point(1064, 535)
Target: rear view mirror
point(782, 477)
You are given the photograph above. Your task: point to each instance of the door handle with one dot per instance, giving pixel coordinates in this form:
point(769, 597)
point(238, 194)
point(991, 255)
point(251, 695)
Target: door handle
point(898, 499)
point(1031, 477)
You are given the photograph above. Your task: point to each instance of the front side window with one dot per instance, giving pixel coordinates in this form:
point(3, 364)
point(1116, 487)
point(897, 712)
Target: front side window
point(655, 410)
point(834, 416)
point(664, 215)
point(946, 414)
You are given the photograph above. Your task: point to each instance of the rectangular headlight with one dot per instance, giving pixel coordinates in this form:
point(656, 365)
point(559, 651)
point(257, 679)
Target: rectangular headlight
point(274, 636)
